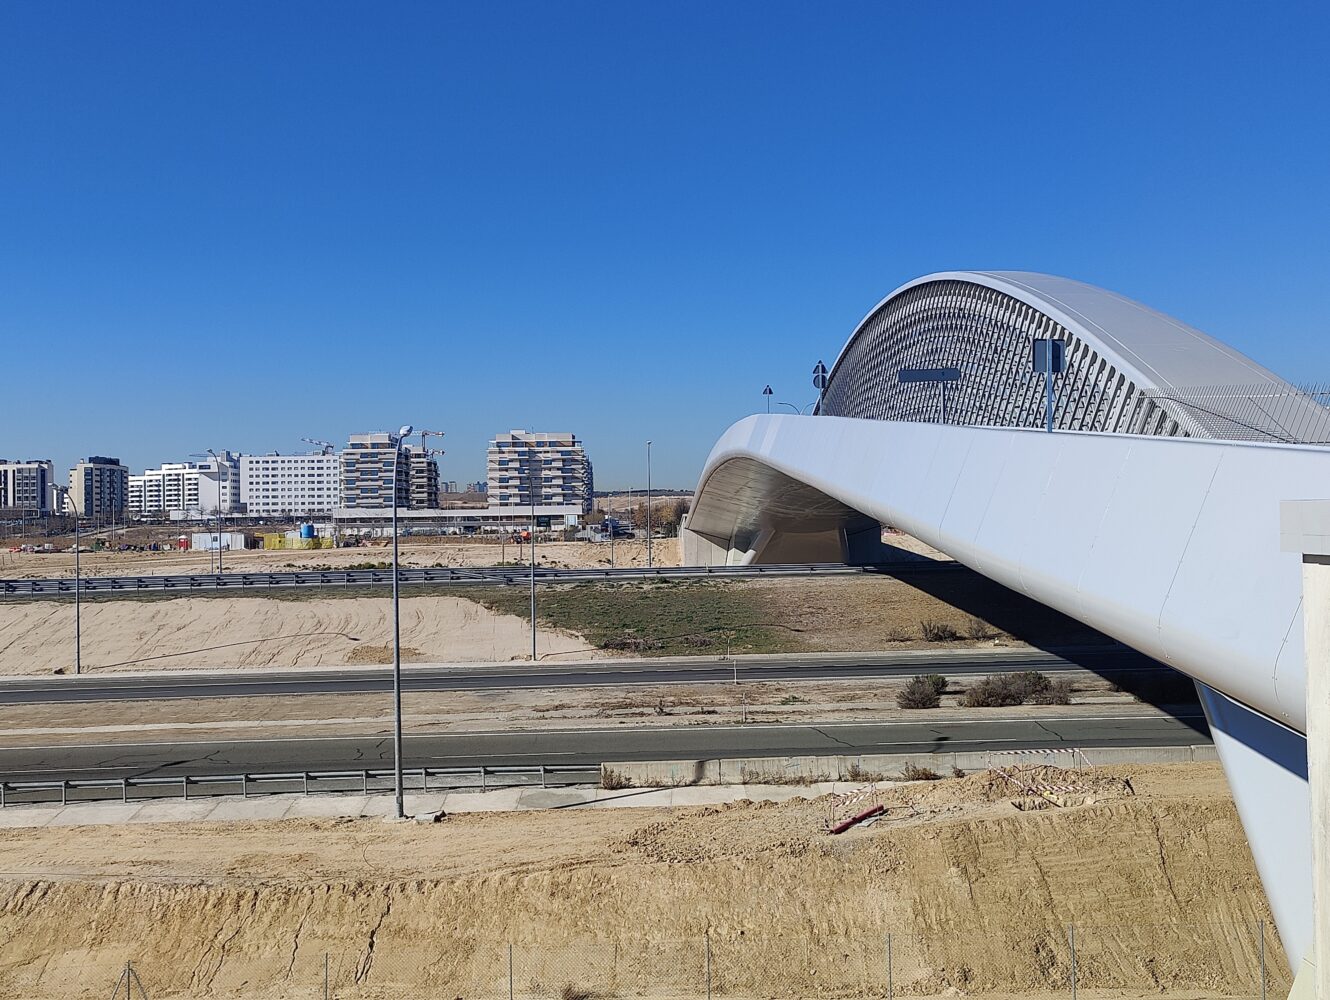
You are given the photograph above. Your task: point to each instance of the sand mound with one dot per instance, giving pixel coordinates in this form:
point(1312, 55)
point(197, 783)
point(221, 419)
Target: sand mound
point(254, 632)
point(976, 896)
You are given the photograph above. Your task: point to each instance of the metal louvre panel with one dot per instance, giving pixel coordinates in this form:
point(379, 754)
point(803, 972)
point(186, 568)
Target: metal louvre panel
point(988, 335)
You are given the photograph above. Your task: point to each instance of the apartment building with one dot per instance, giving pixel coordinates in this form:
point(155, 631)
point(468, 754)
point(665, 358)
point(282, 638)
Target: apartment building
point(187, 489)
point(367, 479)
point(26, 487)
point(172, 487)
point(553, 465)
point(423, 473)
point(99, 488)
point(295, 485)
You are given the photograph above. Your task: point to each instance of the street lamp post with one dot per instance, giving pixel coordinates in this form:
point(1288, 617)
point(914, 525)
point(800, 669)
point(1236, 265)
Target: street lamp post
point(219, 508)
point(531, 466)
point(78, 583)
point(399, 806)
point(648, 505)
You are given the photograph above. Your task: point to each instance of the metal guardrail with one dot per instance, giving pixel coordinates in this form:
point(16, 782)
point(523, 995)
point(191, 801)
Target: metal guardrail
point(480, 576)
point(363, 782)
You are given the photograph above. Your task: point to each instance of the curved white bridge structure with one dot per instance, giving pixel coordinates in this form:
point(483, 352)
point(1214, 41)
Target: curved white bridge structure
point(1149, 516)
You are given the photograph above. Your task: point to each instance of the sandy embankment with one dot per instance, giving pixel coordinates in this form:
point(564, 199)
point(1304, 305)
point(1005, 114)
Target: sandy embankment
point(38, 637)
point(976, 893)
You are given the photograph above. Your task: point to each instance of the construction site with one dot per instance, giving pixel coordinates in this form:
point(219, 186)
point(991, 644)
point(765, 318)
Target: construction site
point(1022, 881)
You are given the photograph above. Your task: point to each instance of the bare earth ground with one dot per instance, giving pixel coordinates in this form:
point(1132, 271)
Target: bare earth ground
point(38, 637)
point(302, 629)
point(417, 552)
point(975, 879)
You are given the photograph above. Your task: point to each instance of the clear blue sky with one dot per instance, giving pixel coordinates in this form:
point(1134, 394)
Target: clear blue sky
point(233, 225)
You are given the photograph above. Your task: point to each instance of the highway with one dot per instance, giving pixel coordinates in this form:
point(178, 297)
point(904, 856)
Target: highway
point(471, 576)
point(589, 746)
point(553, 674)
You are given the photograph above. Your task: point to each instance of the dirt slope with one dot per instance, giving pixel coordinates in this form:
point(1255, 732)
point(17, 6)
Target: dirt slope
point(976, 893)
point(252, 632)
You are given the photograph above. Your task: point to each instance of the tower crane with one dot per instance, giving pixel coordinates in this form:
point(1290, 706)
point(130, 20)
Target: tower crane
point(327, 446)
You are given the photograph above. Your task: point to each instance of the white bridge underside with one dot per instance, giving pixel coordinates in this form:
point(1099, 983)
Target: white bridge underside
point(1168, 544)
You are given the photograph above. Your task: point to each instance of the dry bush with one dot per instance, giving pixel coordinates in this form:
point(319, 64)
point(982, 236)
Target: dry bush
point(913, 772)
point(1058, 692)
point(856, 772)
point(936, 631)
point(614, 780)
point(918, 692)
point(977, 628)
point(1006, 690)
point(938, 681)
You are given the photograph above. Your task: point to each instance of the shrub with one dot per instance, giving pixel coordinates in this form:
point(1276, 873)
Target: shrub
point(613, 780)
point(938, 682)
point(936, 631)
point(1006, 690)
point(912, 772)
point(919, 692)
point(856, 772)
point(1058, 692)
point(977, 628)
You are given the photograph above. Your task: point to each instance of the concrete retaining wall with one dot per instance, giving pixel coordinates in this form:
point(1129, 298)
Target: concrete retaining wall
point(780, 770)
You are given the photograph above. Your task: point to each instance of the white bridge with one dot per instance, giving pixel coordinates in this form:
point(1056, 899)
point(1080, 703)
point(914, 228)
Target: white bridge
point(1151, 513)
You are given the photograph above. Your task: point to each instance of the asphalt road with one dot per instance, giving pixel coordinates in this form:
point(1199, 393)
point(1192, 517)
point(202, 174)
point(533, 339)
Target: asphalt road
point(564, 747)
point(553, 674)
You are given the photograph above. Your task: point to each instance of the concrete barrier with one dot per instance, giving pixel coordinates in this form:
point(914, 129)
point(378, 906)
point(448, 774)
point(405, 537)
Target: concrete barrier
point(867, 767)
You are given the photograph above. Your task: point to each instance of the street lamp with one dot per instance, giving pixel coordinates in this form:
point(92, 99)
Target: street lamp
point(78, 586)
point(402, 434)
point(648, 505)
point(531, 468)
point(797, 409)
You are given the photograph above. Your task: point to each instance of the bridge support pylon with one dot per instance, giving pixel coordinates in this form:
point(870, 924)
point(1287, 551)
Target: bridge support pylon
point(1305, 529)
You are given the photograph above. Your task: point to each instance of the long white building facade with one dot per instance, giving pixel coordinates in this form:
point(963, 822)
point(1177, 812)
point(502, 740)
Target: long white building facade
point(1151, 512)
point(289, 485)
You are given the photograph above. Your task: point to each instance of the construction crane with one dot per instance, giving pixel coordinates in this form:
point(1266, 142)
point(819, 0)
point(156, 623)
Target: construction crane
point(327, 446)
point(423, 445)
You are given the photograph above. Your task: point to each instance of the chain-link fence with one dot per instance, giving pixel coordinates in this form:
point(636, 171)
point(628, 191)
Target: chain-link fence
point(1211, 959)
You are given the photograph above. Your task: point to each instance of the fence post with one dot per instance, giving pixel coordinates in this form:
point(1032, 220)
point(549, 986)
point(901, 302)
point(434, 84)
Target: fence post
point(706, 941)
point(510, 970)
point(325, 976)
point(1260, 924)
point(1071, 936)
point(890, 984)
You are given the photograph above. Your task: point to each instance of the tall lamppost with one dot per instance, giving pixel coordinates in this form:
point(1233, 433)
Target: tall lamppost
point(531, 467)
point(78, 584)
point(648, 505)
point(402, 434)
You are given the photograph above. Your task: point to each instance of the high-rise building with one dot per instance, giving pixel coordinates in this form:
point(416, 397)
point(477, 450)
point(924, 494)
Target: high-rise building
point(26, 487)
point(295, 485)
point(424, 476)
point(99, 488)
point(367, 472)
point(554, 465)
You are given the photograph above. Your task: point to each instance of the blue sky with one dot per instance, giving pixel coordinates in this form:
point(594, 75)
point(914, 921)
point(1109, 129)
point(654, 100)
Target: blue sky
point(234, 225)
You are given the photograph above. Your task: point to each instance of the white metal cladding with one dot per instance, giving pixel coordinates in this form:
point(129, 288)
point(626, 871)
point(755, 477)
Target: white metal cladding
point(985, 323)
